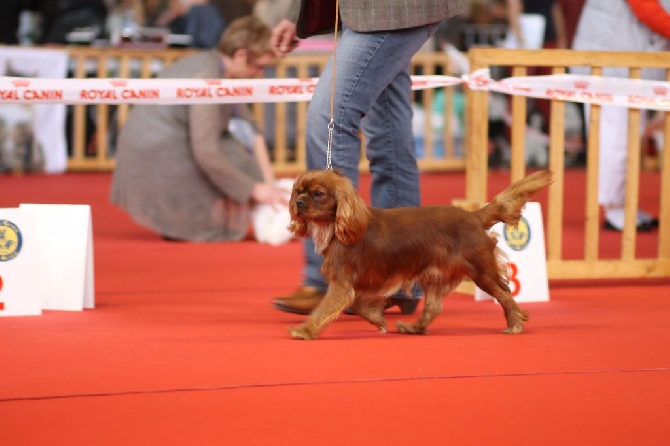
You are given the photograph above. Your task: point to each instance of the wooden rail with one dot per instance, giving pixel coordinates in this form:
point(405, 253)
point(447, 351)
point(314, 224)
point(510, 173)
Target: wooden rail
point(94, 127)
point(590, 265)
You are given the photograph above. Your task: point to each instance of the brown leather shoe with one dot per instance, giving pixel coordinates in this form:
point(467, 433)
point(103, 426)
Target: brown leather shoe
point(302, 301)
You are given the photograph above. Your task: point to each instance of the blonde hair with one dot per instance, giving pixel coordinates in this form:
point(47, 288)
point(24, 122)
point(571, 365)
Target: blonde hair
point(249, 33)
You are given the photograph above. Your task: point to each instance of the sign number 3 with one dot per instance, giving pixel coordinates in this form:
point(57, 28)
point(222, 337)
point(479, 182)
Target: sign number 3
point(515, 285)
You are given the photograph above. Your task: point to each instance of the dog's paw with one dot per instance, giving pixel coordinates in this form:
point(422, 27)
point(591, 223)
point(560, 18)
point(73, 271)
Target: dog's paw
point(406, 328)
point(381, 325)
point(300, 333)
point(514, 329)
point(515, 320)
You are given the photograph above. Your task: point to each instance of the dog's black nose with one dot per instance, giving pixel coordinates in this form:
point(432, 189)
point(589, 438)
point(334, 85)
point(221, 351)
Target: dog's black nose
point(300, 203)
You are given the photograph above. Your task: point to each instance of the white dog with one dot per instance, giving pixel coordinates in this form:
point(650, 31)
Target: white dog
point(271, 222)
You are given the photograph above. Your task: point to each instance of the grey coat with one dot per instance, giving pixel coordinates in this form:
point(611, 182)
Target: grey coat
point(178, 170)
point(385, 15)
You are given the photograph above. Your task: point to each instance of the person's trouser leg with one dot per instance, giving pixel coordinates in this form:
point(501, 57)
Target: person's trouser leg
point(613, 155)
point(390, 146)
point(391, 151)
point(370, 67)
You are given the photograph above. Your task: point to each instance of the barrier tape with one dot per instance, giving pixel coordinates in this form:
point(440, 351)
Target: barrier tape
point(171, 91)
point(633, 93)
point(643, 94)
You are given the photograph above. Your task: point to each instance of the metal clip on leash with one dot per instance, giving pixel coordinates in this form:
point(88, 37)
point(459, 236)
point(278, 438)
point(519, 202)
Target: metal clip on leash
point(329, 150)
point(331, 124)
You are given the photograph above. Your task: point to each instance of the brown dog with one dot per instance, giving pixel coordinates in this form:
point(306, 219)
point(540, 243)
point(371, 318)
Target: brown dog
point(370, 253)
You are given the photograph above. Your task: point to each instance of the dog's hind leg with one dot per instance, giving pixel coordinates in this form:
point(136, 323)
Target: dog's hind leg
point(499, 289)
point(338, 297)
point(372, 310)
point(488, 270)
point(431, 308)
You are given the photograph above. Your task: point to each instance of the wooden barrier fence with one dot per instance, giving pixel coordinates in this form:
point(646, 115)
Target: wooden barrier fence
point(590, 265)
point(94, 127)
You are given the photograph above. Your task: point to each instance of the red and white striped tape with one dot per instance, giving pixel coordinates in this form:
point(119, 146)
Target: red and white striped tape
point(153, 91)
point(634, 93)
point(644, 94)
point(171, 91)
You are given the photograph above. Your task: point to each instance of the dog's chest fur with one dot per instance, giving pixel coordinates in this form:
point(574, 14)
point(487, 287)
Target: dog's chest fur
point(321, 234)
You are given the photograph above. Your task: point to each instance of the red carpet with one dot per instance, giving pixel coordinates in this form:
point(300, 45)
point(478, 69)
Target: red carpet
point(184, 348)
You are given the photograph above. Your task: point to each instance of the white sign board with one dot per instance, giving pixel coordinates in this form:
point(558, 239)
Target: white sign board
point(46, 259)
point(21, 287)
point(525, 250)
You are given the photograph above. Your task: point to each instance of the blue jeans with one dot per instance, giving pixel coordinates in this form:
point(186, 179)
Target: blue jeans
point(372, 94)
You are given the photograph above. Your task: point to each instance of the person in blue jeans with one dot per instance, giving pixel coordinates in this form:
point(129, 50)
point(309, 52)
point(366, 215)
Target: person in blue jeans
point(372, 94)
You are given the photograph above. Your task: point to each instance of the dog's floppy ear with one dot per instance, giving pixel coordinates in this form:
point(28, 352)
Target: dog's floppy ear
point(298, 225)
point(352, 216)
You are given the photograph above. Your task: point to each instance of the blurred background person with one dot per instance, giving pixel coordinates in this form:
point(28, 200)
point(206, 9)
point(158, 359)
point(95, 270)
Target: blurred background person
point(204, 24)
point(60, 17)
point(164, 14)
point(233, 9)
point(271, 11)
point(199, 19)
point(10, 20)
point(484, 24)
point(571, 11)
point(179, 169)
point(607, 25)
point(554, 35)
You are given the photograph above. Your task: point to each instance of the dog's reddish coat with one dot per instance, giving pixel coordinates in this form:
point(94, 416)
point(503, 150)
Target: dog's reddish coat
point(370, 253)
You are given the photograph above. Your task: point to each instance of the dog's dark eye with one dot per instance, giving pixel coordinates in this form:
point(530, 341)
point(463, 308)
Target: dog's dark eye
point(318, 193)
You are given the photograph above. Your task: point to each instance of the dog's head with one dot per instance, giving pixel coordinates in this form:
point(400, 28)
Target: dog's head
point(323, 198)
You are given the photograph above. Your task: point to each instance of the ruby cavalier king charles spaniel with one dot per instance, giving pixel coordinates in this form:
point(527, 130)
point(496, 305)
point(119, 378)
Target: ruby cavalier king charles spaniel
point(371, 253)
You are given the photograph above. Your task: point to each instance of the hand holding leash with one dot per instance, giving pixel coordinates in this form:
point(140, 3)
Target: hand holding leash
point(284, 38)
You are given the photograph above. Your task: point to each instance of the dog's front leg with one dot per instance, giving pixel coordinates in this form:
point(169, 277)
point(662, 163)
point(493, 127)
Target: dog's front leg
point(432, 306)
point(338, 297)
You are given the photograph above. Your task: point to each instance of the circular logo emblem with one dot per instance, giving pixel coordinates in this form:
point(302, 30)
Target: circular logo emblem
point(10, 240)
point(518, 238)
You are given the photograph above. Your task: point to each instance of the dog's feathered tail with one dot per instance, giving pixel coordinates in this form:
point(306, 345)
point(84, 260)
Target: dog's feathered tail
point(507, 205)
